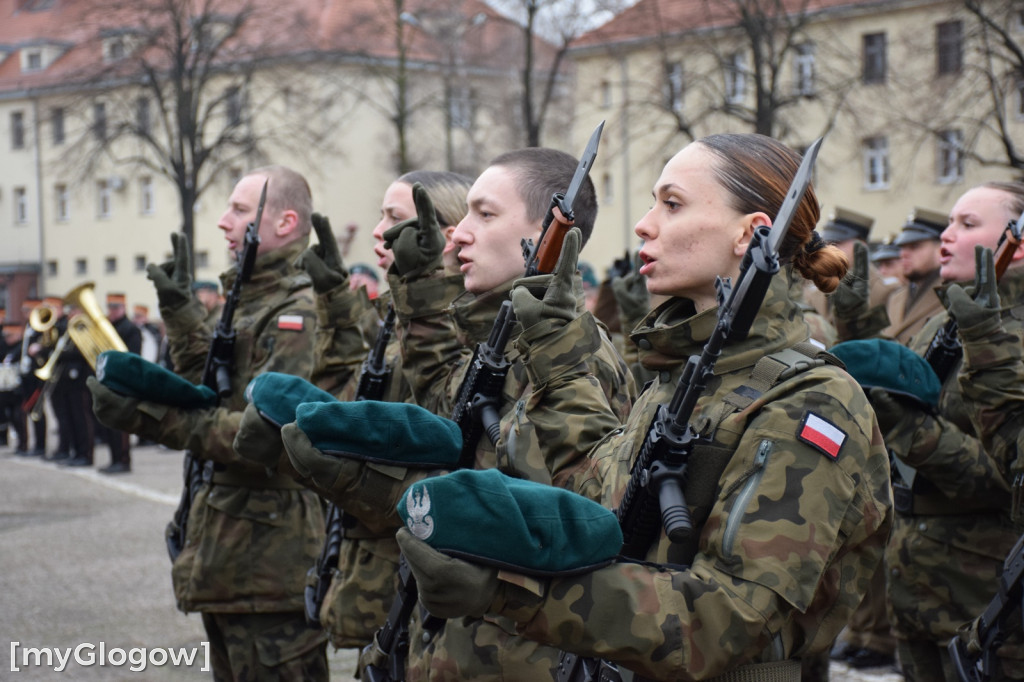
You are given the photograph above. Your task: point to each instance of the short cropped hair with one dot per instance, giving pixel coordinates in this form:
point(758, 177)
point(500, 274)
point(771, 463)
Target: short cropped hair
point(288, 191)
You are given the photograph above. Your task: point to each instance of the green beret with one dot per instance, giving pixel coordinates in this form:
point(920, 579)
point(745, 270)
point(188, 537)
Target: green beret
point(394, 433)
point(891, 366)
point(490, 518)
point(132, 375)
point(205, 284)
point(276, 396)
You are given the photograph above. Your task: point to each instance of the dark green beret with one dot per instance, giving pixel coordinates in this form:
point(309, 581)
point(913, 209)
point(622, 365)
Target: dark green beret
point(132, 375)
point(490, 518)
point(892, 366)
point(393, 433)
point(276, 396)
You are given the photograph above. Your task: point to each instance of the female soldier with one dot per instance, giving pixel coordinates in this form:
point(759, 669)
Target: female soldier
point(795, 506)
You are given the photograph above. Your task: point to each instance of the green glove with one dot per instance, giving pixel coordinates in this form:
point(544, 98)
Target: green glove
point(558, 302)
point(322, 261)
point(448, 587)
point(417, 243)
point(632, 298)
point(851, 297)
point(257, 440)
point(173, 278)
point(978, 317)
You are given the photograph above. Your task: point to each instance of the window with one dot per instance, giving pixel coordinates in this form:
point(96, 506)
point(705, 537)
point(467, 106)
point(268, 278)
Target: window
point(57, 124)
point(949, 47)
point(60, 196)
point(34, 60)
point(1017, 20)
point(110, 265)
point(460, 107)
point(233, 106)
point(81, 266)
point(606, 95)
point(20, 205)
point(674, 86)
point(874, 70)
point(1020, 100)
point(17, 130)
point(735, 77)
point(607, 188)
point(142, 116)
point(803, 69)
point(202, 259)
point(876, 163)
point(140, 263)
point(102, 198)
point(51, 268)
point(99, 120)
point(950, 157)
point(146, 195)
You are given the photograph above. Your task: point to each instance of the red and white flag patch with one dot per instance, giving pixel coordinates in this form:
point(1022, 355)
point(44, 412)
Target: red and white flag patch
point(822, 434)
point(292, 322)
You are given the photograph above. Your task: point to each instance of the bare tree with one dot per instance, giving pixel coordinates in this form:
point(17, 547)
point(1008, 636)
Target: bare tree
point(179, 88)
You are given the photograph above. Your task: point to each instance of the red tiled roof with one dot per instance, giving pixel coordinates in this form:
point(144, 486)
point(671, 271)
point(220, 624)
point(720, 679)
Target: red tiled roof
point(343, 27)
point(650, 18)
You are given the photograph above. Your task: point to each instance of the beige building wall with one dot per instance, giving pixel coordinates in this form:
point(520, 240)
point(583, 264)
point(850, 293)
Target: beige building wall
point(624, 86)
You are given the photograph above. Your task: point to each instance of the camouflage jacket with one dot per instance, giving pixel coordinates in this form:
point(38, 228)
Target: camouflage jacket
point(947, 551)
point(251, 535)
point(545, 428)
point(790, 528)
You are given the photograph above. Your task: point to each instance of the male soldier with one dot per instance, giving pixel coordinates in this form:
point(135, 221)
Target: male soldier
point(538, 439)
point(886, 257)
point(251, 533)
point(848, 230)
point(118, 441)
point(912, 305)
point(362, 275)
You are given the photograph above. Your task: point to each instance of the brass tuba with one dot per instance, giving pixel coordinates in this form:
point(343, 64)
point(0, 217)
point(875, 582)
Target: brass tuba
point(90, 330)
point(43, 319)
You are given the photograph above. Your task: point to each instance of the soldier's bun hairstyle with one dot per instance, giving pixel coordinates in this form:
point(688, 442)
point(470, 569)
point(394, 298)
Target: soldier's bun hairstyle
point(446, 189)
point(756, 171)
point(1015, 196)
point(540, 172)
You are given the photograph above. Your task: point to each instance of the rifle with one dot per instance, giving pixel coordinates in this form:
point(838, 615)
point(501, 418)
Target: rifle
point(476, 408)
point(992, 625)
point(373, 380)
point(654, 495)
point(945, 349)
point(216, 375)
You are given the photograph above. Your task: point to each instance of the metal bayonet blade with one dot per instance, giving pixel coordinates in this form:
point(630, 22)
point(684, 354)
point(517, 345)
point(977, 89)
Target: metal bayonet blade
point(583, 169)
point(780, 226)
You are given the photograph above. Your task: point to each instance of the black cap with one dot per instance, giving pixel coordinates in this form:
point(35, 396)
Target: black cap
point(922, 224)
point(886, 251)
point(846, 224)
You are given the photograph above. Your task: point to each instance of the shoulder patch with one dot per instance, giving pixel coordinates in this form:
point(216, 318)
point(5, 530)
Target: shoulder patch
point(821, 434)
point(292, 322)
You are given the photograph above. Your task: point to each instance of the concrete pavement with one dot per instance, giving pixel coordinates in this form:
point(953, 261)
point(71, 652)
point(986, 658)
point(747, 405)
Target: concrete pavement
point(83, 566)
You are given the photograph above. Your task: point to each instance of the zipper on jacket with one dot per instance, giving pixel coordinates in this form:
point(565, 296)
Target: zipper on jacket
point(732, 525)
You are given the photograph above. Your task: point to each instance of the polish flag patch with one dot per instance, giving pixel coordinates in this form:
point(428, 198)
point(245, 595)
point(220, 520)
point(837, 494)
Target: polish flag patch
point(821, 434)
point(292, 322)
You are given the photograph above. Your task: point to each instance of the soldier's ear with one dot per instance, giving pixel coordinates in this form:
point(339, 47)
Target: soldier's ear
point(1018, 253)
point(287, 223)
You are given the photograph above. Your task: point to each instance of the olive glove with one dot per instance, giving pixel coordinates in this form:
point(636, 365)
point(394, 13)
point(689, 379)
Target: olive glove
point(173, 279)
point(322, 261)
point(142, 417)
point(630, 289)
point(417, 243)
point(258, 440)
point(851, 297)
point(558, 301)
point(977, 317)
point(448, 587)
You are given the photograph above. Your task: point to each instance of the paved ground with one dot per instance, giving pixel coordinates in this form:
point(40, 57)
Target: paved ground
point(83, 563)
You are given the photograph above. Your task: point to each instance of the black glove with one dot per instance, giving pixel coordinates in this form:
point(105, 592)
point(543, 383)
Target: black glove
point(417, 243)
point(173, 278)
point(977, 317)
point(558, 301)
point(851, 297)
point(322, 261)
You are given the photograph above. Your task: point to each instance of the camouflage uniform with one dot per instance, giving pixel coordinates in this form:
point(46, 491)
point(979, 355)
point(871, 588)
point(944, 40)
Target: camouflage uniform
point(544, 430)
point(789, 535)
point(250, 535)
point(953, 528)
point(364, 583)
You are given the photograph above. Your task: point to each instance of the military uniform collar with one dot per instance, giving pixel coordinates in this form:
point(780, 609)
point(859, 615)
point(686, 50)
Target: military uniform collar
point(269, 268)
